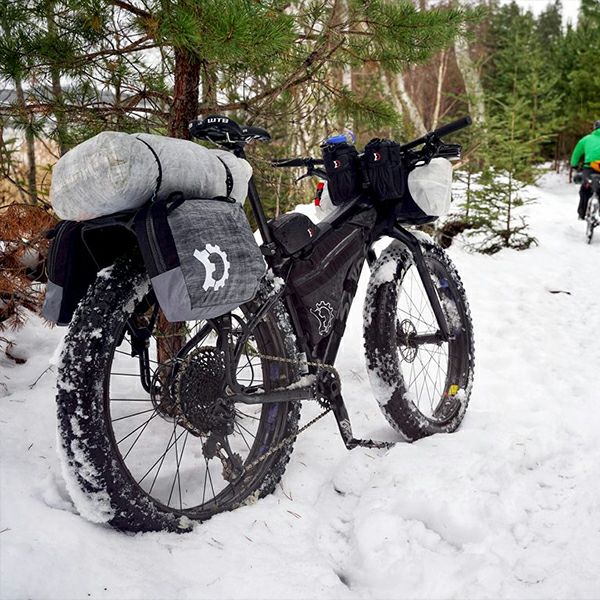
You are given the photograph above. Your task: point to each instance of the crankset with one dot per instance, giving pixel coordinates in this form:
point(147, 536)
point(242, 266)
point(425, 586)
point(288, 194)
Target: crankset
point(325, 387)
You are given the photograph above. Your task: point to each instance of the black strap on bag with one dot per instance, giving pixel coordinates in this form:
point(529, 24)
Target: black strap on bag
point(159, 178)
point(228, 177)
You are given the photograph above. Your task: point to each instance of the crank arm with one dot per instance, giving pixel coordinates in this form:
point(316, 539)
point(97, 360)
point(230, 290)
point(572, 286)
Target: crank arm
point(293, 395)
point(343, 420)
point(333, 390)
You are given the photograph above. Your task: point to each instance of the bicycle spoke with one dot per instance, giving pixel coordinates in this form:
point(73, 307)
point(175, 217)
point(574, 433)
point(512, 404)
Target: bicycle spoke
point(132, 415)
point(246, 430)
point(161, 459)
point(159, 468)
point(242, 434)
point(130, 400)
point(136, 429)
point(239, 412)
point(211, 483)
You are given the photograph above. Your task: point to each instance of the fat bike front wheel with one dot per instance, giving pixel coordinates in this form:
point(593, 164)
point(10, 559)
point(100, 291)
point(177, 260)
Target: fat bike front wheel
point(157, 447)
point(421, 382)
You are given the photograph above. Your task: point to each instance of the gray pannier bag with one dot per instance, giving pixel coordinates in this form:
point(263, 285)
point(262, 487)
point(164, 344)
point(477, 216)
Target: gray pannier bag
point(201, 256)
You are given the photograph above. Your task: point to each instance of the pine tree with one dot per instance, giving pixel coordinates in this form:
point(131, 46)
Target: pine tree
point(494, 216)
point(523, 102)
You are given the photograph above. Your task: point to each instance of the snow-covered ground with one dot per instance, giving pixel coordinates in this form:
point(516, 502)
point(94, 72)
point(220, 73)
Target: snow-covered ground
point(509, 506)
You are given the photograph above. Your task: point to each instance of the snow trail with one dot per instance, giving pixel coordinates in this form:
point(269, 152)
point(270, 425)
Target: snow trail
point(508, 506)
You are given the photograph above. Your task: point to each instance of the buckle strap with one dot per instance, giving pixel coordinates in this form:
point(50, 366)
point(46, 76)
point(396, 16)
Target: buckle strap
point(159, 178)
point(228, 177)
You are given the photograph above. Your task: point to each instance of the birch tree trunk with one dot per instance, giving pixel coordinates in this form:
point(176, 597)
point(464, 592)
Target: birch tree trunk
point(472, 80)
point(57, 91)
point(396, 88)
point(440, 84)
point(29, 141)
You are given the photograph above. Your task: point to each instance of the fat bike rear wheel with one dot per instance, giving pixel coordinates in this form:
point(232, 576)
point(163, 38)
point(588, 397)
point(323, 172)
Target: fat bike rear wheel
point(421, 382)
point(592, 218)
point(163, 451)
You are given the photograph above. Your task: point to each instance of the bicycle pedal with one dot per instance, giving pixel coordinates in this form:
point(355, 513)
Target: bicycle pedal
point(354, 442)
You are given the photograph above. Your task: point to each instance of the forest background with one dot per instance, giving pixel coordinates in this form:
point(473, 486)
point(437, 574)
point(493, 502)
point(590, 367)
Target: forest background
point(302, 69)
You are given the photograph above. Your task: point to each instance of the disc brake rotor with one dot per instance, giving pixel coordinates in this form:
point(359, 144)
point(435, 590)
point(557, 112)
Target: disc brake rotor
point(405, 333)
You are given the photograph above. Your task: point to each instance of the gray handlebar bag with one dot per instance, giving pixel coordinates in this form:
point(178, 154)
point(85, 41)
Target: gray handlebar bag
point(201, 256)
point(114, 172)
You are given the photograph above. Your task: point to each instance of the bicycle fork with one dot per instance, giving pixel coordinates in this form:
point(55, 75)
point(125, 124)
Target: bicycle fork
point(414, 246)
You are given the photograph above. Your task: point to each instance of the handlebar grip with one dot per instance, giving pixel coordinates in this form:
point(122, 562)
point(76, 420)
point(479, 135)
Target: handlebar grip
point(452, 127)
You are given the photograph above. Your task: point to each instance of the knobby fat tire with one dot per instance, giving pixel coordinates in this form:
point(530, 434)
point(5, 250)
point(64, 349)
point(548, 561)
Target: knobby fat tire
point(380, 341)
point(103, 491)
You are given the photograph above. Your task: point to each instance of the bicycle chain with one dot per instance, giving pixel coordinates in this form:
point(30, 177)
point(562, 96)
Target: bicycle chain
point(325, 404)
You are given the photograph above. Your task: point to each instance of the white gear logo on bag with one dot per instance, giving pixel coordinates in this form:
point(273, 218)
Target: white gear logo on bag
point(323, 311)
point(209, 267)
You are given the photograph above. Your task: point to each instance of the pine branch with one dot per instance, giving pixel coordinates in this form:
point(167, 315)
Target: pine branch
point(138, 12)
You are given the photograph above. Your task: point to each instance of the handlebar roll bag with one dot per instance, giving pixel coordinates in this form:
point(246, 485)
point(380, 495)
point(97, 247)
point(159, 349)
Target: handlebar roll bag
point(428, 193)
point(200, 254)
point(342, 166)
point(112, 172)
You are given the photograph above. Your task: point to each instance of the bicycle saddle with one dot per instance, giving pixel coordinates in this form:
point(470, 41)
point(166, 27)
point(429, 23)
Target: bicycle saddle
point(223, 130)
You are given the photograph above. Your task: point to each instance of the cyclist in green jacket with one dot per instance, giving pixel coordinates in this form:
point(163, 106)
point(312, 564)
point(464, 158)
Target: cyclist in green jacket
point(588, 149)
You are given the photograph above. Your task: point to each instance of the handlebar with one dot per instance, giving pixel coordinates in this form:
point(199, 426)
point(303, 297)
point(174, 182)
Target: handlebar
point(433, 147)
point(297, 162)
point(439, 132)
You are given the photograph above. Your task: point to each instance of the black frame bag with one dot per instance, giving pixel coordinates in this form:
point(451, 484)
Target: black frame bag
point(319, 279)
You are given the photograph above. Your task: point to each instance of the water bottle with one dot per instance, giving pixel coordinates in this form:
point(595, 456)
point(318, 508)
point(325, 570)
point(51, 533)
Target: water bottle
point(347, 137)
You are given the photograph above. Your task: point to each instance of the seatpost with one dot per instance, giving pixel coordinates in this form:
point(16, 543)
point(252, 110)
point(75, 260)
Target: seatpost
point(259, 213)
point(255, 203)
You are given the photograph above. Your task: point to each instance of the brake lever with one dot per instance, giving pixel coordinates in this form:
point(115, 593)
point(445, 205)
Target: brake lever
point(449, 151)
point(312, 171)
point(433, 148)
